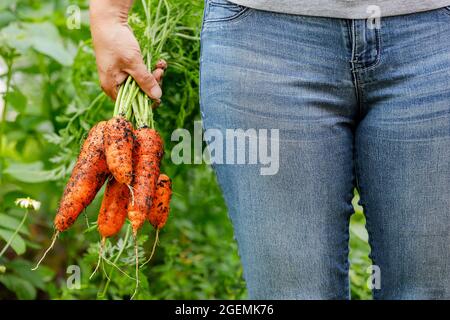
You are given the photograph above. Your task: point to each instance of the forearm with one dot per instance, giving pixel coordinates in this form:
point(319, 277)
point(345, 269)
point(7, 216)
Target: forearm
point(109, 10)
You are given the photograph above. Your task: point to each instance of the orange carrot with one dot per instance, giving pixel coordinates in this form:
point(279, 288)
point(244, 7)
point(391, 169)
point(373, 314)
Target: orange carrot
point(119, 149)
point(147, 154)
point(113, 211)
point(159, 211)
point(88, 176)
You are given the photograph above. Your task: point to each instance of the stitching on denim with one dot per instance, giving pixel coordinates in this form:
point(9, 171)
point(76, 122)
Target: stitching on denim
point(201, 58)
point(233, 18)
point(354, 67)
point(379, 55)
point(225, 5)
point(354, 182)
point(361, 202)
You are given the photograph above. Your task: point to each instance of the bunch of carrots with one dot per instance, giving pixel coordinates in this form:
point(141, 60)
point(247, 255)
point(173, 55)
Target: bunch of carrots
point(128, 160)
point(124, 152)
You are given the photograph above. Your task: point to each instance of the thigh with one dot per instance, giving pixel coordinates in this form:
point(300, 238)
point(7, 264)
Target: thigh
point(270, 71)
point(403, 157)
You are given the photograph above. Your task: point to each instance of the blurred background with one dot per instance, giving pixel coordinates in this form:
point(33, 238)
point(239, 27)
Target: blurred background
point(50, 98)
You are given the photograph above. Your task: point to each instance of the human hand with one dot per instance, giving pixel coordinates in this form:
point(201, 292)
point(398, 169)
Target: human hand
point(117, 51)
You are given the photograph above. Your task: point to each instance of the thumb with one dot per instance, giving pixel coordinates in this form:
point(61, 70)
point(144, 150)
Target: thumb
point(145, 80)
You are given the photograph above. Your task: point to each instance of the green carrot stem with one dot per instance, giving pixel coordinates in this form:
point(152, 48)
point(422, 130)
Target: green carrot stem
point(118, 100)
point(122, 109)
point(136, 114)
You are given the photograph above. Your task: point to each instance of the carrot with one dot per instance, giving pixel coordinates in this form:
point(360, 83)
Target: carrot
point(119, 149)
point(88, 176)
point(147, 154)
point(113, 210)
point(112, 215)
point(159, 211)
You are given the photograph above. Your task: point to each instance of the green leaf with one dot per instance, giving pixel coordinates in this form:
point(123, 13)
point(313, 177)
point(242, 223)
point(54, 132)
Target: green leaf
point(7, 188)
point(30, 172)
point(22, 268)
point(6, 17)
point(6, 4)
point(15, 211)
point(11, 223)
point(22, 288)
point(360, 231)
point(17, 244)
point(52, 138)
point(17, 100)
point(42, 37)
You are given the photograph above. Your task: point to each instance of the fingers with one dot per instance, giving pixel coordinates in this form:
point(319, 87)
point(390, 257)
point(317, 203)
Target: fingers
point(109, 87)
point(158, 74)
point(161, 64)
point(110, 83)
point(155, 104)
point(146, 81)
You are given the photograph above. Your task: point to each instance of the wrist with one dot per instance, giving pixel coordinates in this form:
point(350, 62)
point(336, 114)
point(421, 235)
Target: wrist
point(109, 10)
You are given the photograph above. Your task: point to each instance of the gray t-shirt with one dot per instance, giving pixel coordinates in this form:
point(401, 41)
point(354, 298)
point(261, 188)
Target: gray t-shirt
point(349, 9)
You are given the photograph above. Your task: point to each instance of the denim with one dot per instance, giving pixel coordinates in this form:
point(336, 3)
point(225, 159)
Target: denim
point(356, 106)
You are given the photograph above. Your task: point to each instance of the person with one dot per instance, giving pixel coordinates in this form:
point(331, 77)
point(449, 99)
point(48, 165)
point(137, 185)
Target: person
point(360, 93)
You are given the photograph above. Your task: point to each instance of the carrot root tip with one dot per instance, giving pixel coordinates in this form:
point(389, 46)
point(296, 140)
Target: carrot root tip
point(155, 243)
point(137, 268)
point(54, 237)
point(100, 256)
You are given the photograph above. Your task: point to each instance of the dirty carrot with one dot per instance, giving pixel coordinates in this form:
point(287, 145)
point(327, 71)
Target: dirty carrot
point(147, 154)
point(119, 149)
point(159, 211)
point(113, 210)
point(88, 176)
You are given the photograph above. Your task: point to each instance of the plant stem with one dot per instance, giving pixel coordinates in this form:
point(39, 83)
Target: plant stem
point(125, 241)
point(120, 102)
point(15, 233)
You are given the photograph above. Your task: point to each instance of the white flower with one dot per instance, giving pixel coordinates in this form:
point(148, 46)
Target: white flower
point(28, 203)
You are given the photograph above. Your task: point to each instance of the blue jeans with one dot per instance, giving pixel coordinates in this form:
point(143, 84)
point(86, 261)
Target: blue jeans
point(356, 105)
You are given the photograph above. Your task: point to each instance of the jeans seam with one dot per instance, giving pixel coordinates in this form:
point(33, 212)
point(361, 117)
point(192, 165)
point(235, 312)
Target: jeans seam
point(201, 61)
point(377, 61)
point(347, 260)
point(234, 18)
point(366, 215)
point(225, 5)
point(353, 62)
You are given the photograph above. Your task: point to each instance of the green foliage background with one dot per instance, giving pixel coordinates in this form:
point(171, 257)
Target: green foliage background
point(51, 81)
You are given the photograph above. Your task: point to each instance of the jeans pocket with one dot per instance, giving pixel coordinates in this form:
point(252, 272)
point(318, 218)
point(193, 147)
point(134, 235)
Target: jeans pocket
point(217, 11)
